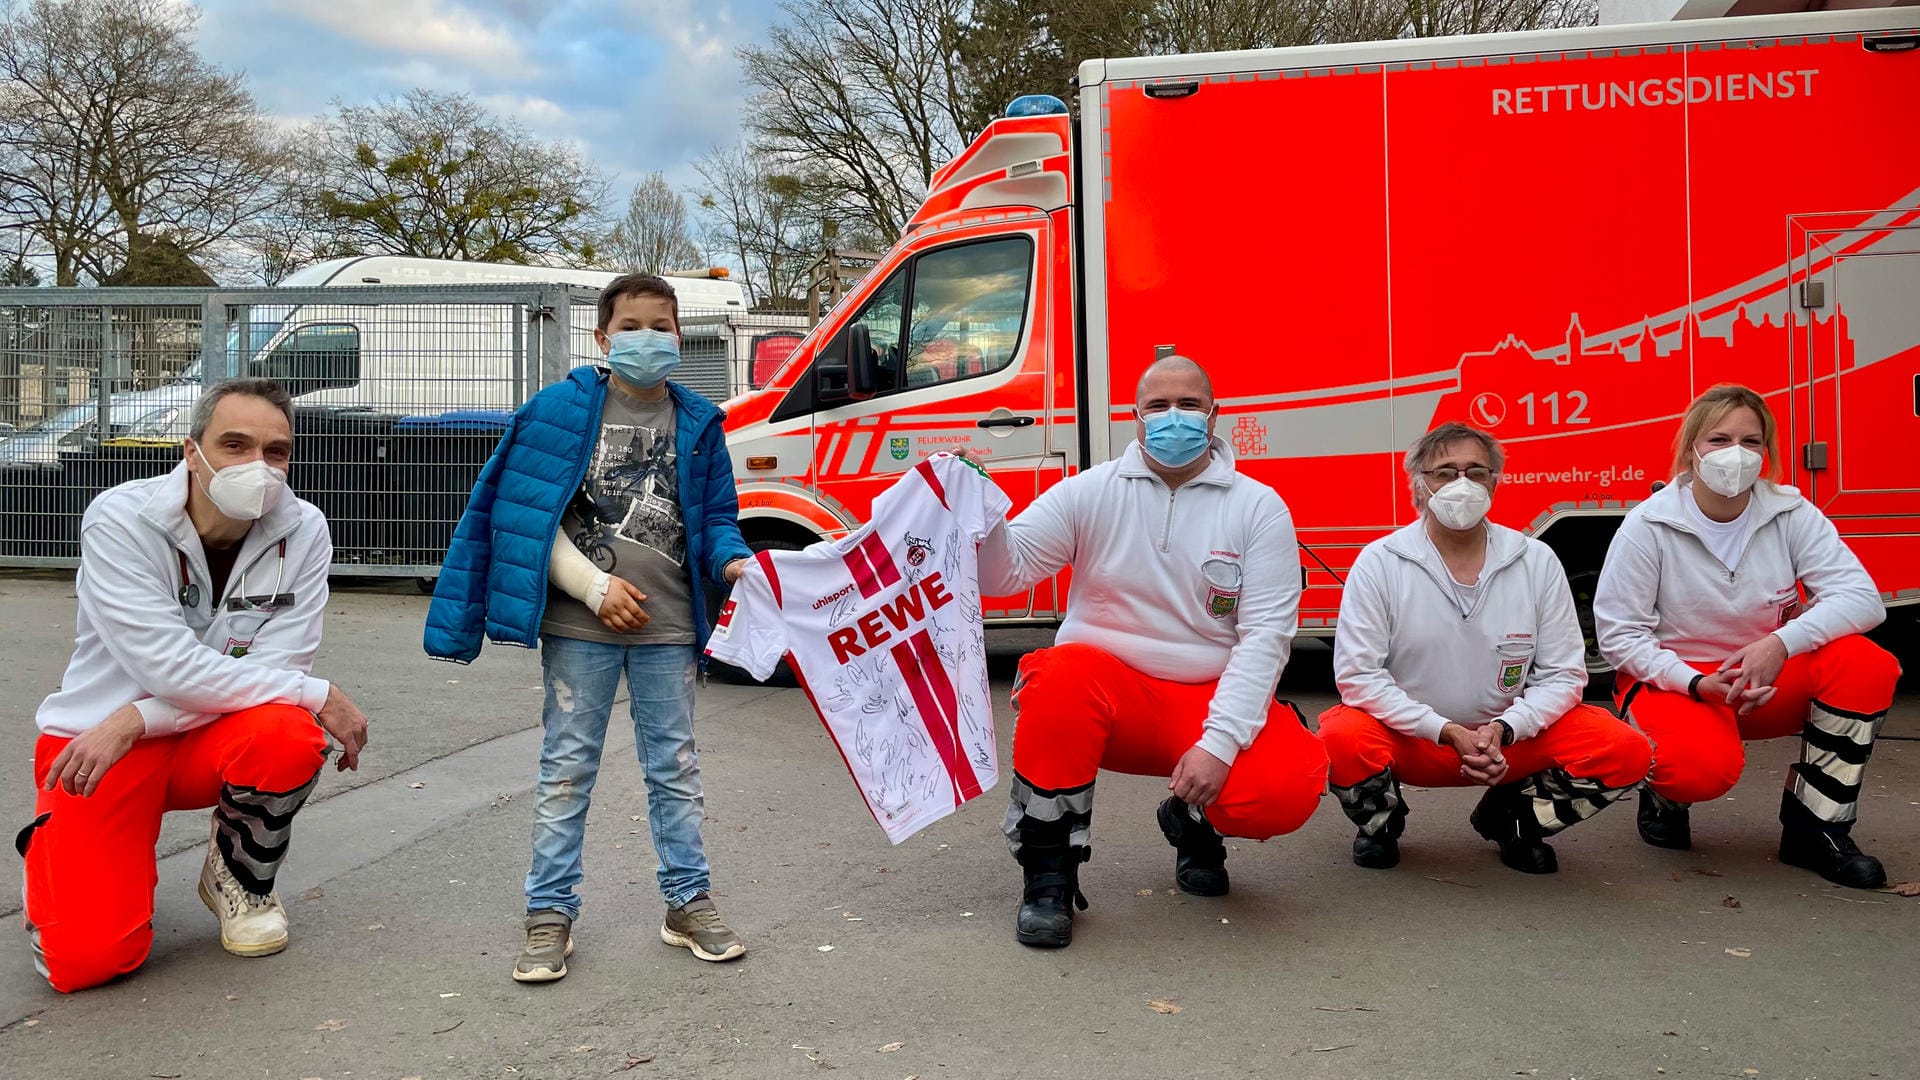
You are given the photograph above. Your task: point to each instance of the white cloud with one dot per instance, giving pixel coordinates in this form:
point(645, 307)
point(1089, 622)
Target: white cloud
point(689, 26)
point(439, 28)
point(535, 112)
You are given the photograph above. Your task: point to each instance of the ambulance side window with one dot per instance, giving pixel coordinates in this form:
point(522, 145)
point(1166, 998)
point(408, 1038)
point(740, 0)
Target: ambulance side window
point(969, 308)
point(948, 314)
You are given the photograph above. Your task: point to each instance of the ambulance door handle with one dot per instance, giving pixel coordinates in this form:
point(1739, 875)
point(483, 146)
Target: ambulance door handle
point(1006, 421)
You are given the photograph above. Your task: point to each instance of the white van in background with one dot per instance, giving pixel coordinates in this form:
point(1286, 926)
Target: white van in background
point(418, 358)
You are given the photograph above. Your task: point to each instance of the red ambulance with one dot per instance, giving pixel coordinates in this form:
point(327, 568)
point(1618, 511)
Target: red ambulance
point(1558, 236)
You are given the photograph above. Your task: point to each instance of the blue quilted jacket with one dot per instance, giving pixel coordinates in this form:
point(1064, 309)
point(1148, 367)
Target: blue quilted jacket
point(493, 581)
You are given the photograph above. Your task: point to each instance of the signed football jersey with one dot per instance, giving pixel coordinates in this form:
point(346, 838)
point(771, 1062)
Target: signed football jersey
point(883, 628)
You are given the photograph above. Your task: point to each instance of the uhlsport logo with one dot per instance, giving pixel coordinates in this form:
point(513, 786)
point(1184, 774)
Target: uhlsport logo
point(898, 446)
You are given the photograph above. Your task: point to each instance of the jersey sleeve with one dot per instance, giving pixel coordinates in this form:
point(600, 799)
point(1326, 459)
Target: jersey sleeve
point(977, 502)
point(750, 633)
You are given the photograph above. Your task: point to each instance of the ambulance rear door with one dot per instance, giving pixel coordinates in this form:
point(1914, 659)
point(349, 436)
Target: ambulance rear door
point(1856, 342)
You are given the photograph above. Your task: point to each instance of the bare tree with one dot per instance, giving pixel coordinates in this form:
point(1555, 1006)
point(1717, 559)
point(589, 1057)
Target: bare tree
point(115, 136)
point(438, 175)
point(865, 99)
point(1043, 41)
point(862, 93)
point(293, 234)
point(770, 221)
point(1434, 18)
point(655, 234)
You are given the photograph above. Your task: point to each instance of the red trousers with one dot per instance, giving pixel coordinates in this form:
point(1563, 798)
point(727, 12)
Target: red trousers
point(1587, 742)
point(91, 865)
point(1081, 710)
point(1697, 751)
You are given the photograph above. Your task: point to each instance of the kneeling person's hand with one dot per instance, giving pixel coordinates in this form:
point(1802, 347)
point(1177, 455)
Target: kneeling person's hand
point(1198, 777)
point(343, 720)
point(1479, 748)
point(81, 764)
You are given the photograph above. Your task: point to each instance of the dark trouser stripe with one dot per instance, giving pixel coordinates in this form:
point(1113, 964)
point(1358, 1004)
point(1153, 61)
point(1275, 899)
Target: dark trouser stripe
point(1835, 746)
point(1373, 804)
point(252, 829)
point(1626, 700)
point(1812, 777)
point(1068, 811)
point(1839, 746)
point(1866, 718)
point(1561, 799)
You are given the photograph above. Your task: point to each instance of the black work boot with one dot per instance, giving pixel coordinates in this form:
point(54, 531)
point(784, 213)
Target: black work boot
point(1663, 822)
point(1052, 890)
point(1826, 848)
point(1380, 810)
point(1381, 850)
point(1505, 816)
point(1200, 868)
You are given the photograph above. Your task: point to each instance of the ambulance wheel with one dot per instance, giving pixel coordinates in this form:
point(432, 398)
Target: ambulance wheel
point(727, 673)
point(1599, 672)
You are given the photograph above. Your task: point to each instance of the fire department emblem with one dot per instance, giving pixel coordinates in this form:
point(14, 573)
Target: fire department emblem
point(897, 445)
point(1223, 587)
point(1512, 672)
point(917, 549)
point(1249, 437)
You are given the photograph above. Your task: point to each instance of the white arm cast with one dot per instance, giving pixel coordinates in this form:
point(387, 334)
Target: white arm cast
point(576, 575)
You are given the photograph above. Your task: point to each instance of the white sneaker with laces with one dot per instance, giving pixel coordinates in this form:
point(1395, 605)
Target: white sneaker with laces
point(250, 924)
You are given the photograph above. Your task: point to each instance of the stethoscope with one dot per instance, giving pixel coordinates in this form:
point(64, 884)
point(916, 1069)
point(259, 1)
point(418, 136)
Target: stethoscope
point(190, 589)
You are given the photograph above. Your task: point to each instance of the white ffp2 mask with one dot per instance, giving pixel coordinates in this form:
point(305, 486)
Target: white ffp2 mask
point(1730, 470)
point(244, 492)
point(1460, 503)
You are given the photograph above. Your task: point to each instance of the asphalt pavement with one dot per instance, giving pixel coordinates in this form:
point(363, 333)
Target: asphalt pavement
point(870, 960)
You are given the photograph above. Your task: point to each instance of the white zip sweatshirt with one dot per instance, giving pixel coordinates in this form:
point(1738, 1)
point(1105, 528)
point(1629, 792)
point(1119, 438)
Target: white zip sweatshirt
point(1665, 600)
point(1404, 655)
point(136, 641)
point(1140, 553)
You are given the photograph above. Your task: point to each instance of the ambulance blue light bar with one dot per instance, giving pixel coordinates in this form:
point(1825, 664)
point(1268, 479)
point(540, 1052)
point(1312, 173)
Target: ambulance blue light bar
point(1037, 105)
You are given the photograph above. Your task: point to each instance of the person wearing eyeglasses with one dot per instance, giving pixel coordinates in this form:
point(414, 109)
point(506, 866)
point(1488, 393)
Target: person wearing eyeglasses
point(1186, 588)
point(202, 594)
point(1460, 661)
point(1732, 610)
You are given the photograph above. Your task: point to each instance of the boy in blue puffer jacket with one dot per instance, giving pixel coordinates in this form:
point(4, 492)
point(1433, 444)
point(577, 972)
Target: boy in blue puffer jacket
point(594, 531)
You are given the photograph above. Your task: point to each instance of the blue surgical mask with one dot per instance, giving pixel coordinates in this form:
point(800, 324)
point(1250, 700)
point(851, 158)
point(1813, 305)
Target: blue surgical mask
point(1176, 437)
point(643, 357)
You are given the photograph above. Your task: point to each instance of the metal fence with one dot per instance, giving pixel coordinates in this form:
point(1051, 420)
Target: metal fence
point(400, 394)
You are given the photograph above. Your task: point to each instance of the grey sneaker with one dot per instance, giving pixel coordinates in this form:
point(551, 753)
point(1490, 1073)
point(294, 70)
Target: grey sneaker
point(549, 943)
point(697, 926)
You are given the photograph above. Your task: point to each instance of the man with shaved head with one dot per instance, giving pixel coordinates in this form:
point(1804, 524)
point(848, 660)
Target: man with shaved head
point(1186, 587)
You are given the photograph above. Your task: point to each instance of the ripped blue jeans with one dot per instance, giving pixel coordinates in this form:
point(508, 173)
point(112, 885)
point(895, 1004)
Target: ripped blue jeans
point(581, 679)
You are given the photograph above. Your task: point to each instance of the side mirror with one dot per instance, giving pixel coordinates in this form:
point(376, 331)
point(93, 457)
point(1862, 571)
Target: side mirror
point(856, 377)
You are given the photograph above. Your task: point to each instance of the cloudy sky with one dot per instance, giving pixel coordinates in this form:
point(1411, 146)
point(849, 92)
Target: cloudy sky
point(639, 84)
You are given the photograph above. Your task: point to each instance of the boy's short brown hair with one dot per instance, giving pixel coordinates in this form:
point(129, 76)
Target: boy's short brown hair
point(636, 285)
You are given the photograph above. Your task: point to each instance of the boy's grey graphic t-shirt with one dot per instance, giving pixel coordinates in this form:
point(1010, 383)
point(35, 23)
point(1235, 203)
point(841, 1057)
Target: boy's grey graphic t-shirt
point(626, 518)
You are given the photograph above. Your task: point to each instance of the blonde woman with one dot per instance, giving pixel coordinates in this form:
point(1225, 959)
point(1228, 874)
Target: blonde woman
point(1732, 611)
